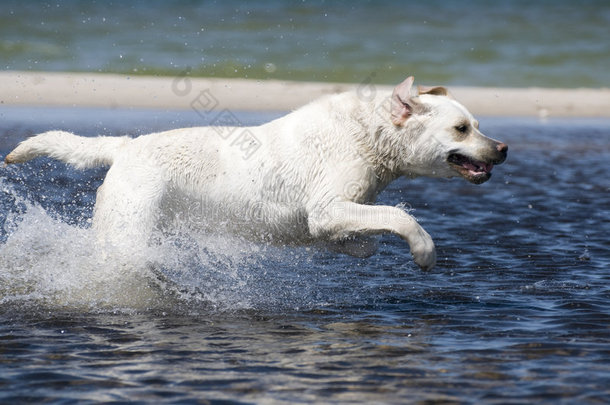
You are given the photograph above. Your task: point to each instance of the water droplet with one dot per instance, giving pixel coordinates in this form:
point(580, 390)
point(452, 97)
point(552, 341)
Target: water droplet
point(585, 256)
point(270, 67)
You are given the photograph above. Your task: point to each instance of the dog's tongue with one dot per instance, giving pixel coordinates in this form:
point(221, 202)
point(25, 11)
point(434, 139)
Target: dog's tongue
point(470, 166)
point(478, 167)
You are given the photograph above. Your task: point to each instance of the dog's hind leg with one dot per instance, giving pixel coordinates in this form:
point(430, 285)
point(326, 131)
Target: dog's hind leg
point(127, 207)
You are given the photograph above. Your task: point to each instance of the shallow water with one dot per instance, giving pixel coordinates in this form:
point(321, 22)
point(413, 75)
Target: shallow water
point(516, 311)
point(551, 43)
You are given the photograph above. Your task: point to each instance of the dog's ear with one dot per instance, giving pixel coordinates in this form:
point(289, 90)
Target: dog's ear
point(402, 106)
point(435, 91)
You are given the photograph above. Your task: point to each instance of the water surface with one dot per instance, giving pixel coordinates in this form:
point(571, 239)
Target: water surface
point(516, 311)
point(549, 43)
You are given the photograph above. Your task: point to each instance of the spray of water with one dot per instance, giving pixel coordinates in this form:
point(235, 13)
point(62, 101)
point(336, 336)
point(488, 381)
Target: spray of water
point(49, 263)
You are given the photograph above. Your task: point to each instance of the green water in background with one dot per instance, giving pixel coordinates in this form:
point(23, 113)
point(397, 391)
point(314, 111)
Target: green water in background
point(471, 42)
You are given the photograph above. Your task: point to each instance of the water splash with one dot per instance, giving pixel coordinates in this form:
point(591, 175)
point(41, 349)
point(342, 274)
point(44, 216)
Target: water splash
point(46, 262)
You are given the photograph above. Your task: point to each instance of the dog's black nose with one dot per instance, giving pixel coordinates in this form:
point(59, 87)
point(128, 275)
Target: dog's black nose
point(502, 150)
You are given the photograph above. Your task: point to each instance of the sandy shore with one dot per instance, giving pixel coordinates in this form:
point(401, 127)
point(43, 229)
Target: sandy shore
point(120, 91)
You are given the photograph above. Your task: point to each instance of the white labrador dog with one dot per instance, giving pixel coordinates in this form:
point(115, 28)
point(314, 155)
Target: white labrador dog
point(310, 176)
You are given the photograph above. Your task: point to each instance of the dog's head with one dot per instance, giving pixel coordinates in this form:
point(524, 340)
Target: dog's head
point(444, 138)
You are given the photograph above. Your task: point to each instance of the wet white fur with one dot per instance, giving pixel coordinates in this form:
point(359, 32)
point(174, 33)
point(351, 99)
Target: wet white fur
point(310, 176)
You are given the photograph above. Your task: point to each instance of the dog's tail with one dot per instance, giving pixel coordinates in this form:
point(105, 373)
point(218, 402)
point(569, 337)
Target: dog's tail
point(76, 150)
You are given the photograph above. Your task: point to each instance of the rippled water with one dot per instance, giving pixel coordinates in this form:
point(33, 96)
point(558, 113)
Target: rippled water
point(553, 43)
point(516, 311)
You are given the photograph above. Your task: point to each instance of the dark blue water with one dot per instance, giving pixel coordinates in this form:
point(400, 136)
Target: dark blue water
point(550, 43)
point(516, 311)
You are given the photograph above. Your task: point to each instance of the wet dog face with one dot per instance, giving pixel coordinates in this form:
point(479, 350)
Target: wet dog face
point(448, 142)
point(473, 155)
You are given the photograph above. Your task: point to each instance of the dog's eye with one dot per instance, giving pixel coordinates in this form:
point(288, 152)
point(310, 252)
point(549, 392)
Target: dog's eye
point(462, 128)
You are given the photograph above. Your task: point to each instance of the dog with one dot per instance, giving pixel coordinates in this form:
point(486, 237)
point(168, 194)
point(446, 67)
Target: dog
point(310, 176)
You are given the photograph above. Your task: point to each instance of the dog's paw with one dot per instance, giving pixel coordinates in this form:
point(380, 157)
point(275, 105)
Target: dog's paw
point(423, 250)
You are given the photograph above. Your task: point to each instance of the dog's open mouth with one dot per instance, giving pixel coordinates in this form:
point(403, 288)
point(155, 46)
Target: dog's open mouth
point(475, 171)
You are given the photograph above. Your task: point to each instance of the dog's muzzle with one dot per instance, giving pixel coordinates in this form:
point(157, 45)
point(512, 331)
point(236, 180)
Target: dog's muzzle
point(474, 170)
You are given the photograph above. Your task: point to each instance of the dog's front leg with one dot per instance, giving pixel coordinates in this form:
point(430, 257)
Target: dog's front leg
point(342, 219)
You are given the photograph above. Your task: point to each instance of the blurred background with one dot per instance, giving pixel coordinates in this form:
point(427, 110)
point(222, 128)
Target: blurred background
point(546, 43)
